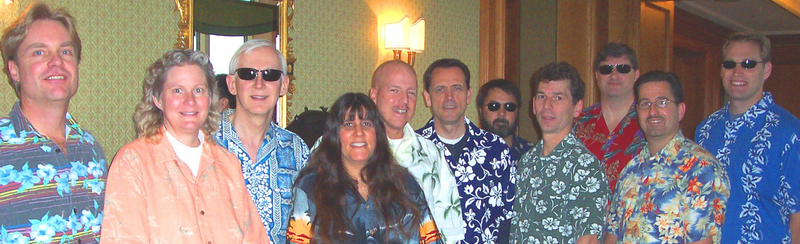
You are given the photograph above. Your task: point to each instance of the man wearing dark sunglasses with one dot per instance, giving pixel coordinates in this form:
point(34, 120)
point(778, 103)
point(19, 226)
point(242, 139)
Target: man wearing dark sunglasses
point(609, 128)
point(257, 79)
point(498, 106)
point(757, 141)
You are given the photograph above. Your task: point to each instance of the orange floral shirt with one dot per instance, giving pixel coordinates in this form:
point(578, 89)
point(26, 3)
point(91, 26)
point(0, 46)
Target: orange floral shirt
point(153, 197)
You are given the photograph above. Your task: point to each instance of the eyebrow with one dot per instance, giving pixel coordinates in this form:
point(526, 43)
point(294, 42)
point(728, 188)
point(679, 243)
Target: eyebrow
point(41, 45)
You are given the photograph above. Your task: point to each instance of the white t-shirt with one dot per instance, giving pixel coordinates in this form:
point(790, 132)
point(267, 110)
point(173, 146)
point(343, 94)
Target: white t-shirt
point(188, 155)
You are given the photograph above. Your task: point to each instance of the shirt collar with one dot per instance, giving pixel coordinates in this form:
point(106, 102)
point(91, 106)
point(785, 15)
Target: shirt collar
point(21, 123)
point(670, 150)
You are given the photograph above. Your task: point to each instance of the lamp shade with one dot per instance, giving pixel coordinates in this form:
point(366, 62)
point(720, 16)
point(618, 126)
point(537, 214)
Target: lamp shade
point(416, 36)
point(396, 35)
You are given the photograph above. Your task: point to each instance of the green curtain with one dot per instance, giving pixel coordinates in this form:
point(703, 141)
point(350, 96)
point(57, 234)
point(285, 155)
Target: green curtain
point(234, 17)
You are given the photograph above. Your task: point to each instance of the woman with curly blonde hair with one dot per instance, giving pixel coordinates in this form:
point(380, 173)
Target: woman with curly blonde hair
point(174, 184)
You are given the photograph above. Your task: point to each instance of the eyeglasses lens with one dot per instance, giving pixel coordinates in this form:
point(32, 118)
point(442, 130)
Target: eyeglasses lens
point(621, 68)
point(747, 64)
point(267, 74)
point(494, 106)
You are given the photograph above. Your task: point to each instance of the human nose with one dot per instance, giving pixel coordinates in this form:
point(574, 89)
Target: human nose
point(56, 60)
point(190, 99)
point(359, 130)
point(501, 113)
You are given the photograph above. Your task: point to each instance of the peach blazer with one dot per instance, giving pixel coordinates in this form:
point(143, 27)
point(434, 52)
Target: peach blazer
point(152, 197)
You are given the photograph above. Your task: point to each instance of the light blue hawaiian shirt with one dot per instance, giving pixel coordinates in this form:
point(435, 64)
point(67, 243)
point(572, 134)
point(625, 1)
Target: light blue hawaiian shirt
point(761, 153)
point(270, 176)
point(48, 195)
point(486, 179)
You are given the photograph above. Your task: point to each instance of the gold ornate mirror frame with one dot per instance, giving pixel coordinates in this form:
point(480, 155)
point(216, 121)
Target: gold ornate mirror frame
point(186, 37)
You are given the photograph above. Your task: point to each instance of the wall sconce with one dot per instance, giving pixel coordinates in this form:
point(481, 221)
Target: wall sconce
point(402, 35)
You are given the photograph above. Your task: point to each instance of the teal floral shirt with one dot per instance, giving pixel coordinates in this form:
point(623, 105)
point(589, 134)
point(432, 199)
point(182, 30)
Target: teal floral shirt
point(48, 195)
point(560, 197)
point(677, 195)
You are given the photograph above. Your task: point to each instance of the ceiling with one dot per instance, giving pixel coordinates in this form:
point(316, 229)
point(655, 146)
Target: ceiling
point(765, 16)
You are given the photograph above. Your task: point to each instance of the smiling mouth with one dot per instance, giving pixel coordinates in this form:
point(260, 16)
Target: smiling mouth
point(56, 77)
point(401, 111)
point(738, 83)
point(189, 113)
point(655, 120)
point(358, 144)
point(258, 97)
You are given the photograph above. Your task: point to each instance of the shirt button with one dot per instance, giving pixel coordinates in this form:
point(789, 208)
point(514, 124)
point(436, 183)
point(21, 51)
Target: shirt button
point(202, 212)
point(209, 242)
point(58, 150)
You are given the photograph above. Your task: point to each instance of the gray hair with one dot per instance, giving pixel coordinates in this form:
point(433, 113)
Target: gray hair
point(251, 45)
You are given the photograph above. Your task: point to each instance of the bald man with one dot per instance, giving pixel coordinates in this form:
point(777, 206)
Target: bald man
point(394, 90)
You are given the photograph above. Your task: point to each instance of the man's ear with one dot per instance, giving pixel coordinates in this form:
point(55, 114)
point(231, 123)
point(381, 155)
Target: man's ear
point(231, 84)
point(578, 109)
point(13, 70)
point(427, 98)
point(681, 111)
point(284, 85)
point(469, 95)
point(373, 95)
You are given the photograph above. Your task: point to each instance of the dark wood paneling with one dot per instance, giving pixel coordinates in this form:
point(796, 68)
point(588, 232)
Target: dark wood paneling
point(696, 61)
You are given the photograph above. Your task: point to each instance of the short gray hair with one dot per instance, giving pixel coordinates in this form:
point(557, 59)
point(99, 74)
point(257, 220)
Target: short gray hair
point(251, 45)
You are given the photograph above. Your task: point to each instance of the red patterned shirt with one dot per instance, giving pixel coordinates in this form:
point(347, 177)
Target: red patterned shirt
point(615, 149)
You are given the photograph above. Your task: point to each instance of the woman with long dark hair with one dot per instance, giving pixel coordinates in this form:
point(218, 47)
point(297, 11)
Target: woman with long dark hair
point(352, 191)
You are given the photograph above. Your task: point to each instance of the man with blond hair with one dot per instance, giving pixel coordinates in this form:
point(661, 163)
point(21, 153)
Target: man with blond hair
point(52, 171)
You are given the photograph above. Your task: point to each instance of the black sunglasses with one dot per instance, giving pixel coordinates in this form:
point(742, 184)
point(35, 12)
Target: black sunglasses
point(494, 106)
point(621, 68)
point(251, 73)
point(747, 64)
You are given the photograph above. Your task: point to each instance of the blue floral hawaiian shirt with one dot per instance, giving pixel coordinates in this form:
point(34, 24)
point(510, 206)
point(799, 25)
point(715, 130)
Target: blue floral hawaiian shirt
point(270, 176)
point(520, 147)
point(486, 179)
point(675, 195)
point(761, 152)
point(47, 195)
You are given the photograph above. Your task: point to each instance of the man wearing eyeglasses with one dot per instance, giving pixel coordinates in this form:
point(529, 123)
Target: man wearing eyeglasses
point(562, 192)
point(609, 128)
point(271, 156)
point(498, 105)
point(673, 191)
point(480, 160)
point(758, 143)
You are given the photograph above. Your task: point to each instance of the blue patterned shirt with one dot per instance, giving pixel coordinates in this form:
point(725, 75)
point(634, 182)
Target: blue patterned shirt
point(269, 178)
point(761, 152)
point(46, 195)
point(486, 180)
point(520, 147)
